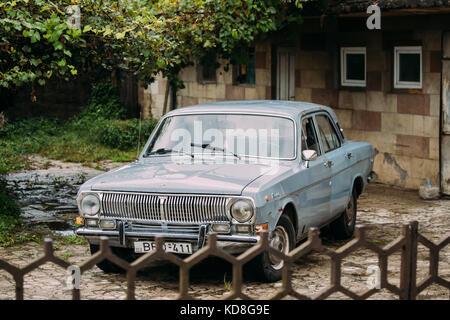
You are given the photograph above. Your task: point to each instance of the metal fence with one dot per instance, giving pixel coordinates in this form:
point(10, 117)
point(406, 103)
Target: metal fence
point(406, 245)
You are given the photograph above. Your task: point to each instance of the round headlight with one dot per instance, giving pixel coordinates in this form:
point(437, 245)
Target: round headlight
point(90, 205)
point(242, 210)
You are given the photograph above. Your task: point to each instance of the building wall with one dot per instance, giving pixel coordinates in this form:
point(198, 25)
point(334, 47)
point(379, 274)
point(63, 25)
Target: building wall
point(403, 125)
point(152, 98)
point(223, 89)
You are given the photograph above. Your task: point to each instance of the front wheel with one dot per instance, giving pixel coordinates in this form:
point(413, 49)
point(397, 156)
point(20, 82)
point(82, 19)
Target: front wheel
point(268, 267)
point(343, 227)
point(106, 265)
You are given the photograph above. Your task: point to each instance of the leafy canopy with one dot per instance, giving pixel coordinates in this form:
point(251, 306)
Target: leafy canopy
point(140, 36)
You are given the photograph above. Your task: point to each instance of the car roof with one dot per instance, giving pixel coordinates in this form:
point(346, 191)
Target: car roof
point(277, 107)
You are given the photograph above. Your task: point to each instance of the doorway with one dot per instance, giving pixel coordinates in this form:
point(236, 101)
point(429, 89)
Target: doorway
point(445, 137)
point(285, 74)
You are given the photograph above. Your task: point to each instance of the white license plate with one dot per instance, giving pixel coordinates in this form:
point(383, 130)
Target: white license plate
point(174, 247)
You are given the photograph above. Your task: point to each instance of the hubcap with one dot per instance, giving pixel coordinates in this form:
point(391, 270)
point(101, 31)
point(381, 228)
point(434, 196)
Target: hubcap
point(350, 212)
point(280, 241)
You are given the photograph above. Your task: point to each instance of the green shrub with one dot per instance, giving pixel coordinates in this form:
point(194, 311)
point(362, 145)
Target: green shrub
point(8, 204)
point(104, 103)
point(125, 135)
point(9, 213)
point(31, 128)
point(98, 133)
point(103, 121)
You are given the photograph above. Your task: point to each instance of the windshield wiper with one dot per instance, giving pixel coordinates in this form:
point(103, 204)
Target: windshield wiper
point(208, 146)
point(166, 151)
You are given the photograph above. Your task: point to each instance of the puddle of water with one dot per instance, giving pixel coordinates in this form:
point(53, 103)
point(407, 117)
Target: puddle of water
point(49, 198)
point(65, 233)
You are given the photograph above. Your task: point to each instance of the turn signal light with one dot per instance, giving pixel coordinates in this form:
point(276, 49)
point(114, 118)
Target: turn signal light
point(262, 227)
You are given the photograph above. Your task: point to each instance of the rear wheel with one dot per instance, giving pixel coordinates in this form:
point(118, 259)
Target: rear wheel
point(344, 226)
point(267, 266)
point(106, 265)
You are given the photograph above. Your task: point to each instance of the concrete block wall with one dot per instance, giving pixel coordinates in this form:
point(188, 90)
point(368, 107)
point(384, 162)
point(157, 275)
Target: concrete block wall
point(195, 92)
point(402, 125)
point(152, 98)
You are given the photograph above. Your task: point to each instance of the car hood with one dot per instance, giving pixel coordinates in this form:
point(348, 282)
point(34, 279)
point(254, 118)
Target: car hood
point(181, 177)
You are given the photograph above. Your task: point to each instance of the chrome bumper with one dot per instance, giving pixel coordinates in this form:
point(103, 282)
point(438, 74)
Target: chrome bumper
point(125, 238)
point(372, 176)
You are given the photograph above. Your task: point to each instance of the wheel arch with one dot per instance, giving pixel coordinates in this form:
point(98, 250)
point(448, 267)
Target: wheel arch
point(290, 210)
point(357, 185)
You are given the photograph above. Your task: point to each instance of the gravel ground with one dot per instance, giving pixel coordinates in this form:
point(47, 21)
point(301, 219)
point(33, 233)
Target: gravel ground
point(382, 207)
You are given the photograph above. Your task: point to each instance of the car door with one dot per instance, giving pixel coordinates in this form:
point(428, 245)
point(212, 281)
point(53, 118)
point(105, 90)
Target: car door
point(337, 161)
point(316, 193)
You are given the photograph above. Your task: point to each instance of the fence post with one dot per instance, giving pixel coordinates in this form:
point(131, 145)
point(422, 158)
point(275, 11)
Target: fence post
point(412, 292)
point(409, 262)
point(405, 263)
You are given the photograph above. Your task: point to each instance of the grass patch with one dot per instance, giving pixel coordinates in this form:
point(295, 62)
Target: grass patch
point(68, 240)
point(66, 255)
point(18, 141)
point(99, 133)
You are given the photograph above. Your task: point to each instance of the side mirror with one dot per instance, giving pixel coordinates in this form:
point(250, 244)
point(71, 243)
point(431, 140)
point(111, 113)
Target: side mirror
point(309, 155)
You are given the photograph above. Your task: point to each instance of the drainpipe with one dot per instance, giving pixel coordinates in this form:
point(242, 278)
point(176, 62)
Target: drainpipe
point(173, 97)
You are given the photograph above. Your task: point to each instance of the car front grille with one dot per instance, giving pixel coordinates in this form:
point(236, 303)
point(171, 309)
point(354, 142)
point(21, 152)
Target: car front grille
point(166, 208)
point(158, 227)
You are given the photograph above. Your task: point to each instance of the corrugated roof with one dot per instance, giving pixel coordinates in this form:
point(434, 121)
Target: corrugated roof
point(353, 6)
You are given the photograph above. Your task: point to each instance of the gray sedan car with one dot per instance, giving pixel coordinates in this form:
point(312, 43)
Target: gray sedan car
point(233, 169)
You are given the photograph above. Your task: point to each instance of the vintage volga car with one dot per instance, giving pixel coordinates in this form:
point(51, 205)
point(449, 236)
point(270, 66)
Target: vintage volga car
point(235, 169)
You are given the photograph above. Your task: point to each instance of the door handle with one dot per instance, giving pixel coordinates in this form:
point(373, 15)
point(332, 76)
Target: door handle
point(349, 155)
point(328, 164)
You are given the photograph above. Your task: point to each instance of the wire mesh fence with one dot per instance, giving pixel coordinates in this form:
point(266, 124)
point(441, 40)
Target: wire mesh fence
point(405, 248)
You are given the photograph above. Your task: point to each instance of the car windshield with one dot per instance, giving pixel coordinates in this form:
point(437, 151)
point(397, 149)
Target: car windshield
point(225, 134)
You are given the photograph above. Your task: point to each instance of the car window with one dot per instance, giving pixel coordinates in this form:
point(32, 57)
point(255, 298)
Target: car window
point(242, 134)
point(309, 136)
point(330, 139)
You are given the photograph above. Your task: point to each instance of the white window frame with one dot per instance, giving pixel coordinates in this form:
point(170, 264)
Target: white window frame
point(406, 84)
point(348, 82)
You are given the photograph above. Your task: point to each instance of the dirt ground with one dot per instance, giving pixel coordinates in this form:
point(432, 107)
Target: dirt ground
point(382, 207)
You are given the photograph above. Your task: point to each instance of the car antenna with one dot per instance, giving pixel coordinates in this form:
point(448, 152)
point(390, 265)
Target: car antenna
point(139, 135)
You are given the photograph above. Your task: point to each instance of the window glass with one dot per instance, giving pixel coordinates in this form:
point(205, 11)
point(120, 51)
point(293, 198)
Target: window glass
point(330, 139)
point(409, 67)
point(353, 66)
point(206, 68)
point(207, 72)
point(245, 73)
point(309, 137)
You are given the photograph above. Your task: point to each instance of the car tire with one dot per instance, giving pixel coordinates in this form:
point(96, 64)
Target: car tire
point(106, 265)
point(266, 267)
point(343, 227)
